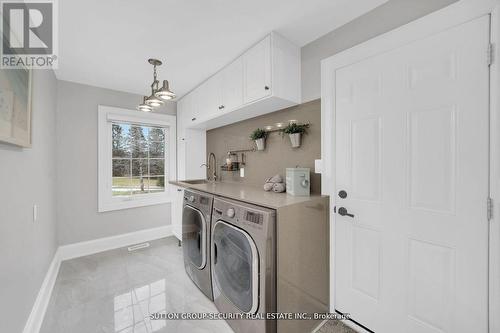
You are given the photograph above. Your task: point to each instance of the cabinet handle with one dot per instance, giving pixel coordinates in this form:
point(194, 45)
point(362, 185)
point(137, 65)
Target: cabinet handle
point(179, 190)
point(193, 119)
point(266, 88)
point(221, 107)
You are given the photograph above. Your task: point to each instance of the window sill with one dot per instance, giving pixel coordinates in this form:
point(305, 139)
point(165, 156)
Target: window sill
point(133, 202)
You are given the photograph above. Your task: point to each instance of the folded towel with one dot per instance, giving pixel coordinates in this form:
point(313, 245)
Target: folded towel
point(275, 183)
point(279, 187)
point(268, 186)
point(275, 179)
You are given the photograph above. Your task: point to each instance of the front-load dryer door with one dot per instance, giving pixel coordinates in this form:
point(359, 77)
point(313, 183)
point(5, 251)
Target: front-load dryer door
point(235, 266)
point(194, 236)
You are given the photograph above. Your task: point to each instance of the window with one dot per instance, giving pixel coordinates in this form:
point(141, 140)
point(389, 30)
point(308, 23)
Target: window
point(136, 158)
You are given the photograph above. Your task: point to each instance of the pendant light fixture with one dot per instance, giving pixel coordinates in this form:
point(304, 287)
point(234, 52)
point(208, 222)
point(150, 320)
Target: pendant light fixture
point(165, 92)
point(158, 95)
point(144, 107)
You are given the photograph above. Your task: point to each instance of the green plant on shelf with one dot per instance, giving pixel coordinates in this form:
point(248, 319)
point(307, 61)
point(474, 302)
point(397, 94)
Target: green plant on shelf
point(259, 133)
point(294, 128)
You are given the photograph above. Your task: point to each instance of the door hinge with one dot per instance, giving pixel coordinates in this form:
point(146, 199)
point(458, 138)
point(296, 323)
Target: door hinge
point(489, 207)
point(491, 54)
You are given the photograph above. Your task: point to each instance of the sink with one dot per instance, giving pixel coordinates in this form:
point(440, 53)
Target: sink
point(196, 181)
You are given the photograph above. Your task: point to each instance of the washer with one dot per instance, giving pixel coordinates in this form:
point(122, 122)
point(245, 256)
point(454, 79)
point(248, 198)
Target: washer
point(196, 217)
point(243, 263)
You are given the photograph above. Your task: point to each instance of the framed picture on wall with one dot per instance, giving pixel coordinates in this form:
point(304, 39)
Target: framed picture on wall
point(15, 107)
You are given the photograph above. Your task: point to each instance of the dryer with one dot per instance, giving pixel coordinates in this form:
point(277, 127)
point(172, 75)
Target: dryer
point(244, 263)
point(196, 217)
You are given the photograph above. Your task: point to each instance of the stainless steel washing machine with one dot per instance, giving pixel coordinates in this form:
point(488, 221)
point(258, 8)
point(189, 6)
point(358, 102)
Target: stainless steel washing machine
point(243, 263)
point(196, 217)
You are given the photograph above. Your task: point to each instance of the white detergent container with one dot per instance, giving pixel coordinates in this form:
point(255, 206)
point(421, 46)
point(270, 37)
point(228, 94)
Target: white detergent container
point(298, 181)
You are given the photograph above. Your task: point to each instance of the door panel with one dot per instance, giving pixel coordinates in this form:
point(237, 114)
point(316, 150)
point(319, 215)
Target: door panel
point(366, 261)
point(430, 285)
point(432, 159)
point(412, 137)
point(365, 158)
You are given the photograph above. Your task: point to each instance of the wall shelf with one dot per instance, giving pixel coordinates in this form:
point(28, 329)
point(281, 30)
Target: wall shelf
point(232, 168)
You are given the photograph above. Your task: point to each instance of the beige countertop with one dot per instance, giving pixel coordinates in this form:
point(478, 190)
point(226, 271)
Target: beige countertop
point(247, 193)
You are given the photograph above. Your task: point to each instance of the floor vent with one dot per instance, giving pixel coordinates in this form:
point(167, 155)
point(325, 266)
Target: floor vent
point(137, 247)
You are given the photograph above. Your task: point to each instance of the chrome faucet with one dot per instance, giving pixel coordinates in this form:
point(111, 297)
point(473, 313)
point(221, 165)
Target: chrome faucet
point(214, 169)
point(210, 167)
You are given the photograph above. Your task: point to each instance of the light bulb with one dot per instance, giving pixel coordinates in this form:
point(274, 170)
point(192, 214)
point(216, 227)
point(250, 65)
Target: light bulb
point(164, 92)
point(153, 101)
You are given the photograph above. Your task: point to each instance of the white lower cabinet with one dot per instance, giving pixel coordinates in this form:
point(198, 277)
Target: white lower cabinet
point(177, 193)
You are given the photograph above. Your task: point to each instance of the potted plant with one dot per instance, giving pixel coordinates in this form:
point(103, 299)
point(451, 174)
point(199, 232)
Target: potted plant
point(259, 136)
point(295, 132)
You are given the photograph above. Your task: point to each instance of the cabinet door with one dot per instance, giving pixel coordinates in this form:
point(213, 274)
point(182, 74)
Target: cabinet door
point(183, 115)
point(232, 85)
point(195, 147)
point(195, 102)
point(176, 210)
point(209, 99)
point(257, 71)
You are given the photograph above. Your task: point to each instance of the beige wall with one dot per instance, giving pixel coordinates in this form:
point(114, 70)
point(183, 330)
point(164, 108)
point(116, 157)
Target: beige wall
point(278, 154)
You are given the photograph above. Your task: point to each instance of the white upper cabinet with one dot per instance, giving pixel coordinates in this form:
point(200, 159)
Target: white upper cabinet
point(257, 71)
point(264, 79)
point(232, 86)
point(191, 144)
point(208, 99)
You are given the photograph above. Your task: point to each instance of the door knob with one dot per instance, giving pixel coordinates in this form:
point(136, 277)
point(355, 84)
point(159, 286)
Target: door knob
point(343, 212)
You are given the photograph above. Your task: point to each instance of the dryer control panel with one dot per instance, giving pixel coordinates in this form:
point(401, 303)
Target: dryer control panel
point(253, 217)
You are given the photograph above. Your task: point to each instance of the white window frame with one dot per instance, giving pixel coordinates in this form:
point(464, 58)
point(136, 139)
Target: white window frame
point(107, 115)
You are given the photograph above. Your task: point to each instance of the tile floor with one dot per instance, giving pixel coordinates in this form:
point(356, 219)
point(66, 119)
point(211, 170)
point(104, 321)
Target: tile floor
point(115, 291)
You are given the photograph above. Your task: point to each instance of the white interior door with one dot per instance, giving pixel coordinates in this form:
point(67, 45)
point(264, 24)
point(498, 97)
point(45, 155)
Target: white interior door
point(412, 154)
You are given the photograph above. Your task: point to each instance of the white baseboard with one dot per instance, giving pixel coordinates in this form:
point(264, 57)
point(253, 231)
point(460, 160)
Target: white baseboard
point(86, 248)
point(65, 252)
point(35, 319)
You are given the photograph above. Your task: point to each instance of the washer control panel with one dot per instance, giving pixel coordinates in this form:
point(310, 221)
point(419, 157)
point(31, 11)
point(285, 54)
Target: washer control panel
point(230, 212)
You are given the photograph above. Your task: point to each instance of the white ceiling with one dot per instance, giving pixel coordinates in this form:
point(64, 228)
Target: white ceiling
point(106, 43)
